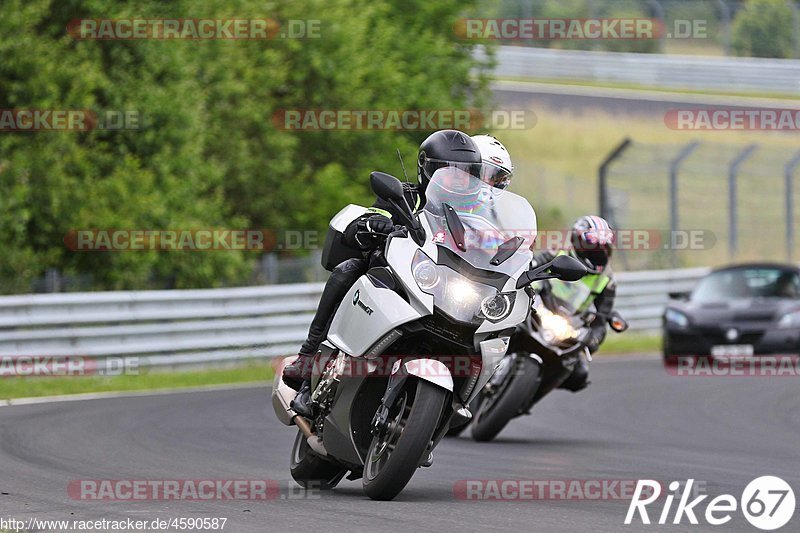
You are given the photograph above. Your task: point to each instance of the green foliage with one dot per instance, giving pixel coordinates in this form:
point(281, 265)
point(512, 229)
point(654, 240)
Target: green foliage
point(763, 28)
point(207, 153)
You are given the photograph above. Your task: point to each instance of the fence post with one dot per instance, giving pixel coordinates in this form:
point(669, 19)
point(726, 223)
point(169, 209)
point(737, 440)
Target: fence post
point(726, 22)
point(795, 29)
point(601, 175)
point(732, 194)
point(789, 177)
point(658, 11)
point(674, 165)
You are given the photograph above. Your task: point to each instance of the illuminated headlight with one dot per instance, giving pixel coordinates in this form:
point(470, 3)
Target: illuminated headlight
point(457, 296)
point(497, 307)
point(790, 320)
point(555, 328)
point(676, 318)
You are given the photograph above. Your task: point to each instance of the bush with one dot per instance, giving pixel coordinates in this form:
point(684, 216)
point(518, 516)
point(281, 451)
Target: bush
point(208, 153)
point(763, 28)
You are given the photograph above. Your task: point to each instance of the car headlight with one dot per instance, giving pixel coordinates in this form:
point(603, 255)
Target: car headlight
point(555, 328)
point(676, 318)
point(457, 296)
point(790, 320)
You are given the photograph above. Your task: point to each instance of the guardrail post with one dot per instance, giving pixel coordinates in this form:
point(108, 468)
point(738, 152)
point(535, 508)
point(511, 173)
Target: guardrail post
point(602, 176)
point(732, 197)
point(674, 166)
point(789, 177)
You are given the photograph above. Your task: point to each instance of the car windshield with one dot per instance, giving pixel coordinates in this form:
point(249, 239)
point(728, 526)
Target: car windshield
point(490, 216)
point(746, 283)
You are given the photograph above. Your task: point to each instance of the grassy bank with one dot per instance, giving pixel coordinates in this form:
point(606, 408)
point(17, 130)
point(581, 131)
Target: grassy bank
point(54, 386)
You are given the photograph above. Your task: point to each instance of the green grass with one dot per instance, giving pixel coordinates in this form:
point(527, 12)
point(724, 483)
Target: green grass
point(54, 386)
point(252, 372)
point(630, 342)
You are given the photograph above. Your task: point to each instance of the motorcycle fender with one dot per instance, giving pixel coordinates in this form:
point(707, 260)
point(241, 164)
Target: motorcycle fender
point(430, 370)
point(282, 394)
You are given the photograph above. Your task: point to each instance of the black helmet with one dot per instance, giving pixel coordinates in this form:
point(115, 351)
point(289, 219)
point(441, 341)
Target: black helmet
point(447, 148)
point(592, 241)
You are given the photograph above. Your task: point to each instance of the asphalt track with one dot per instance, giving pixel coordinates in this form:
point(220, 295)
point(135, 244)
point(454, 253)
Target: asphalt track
point(635, 421)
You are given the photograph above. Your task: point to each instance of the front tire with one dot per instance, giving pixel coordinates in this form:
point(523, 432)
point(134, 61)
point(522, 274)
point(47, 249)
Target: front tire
point(397, 449)
point(495, 412)
point(311, 471)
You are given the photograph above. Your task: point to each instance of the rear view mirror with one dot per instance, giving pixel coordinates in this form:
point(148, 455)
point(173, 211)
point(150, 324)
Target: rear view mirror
point(563, 267)
point(567, 268)
point(387, 187)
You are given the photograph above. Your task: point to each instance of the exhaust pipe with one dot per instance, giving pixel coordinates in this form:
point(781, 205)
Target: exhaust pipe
point(314, 442)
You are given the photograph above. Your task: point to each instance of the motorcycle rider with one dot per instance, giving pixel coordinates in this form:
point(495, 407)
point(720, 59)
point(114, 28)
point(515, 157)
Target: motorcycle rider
point(497, 166)
point(592, 241)
point(441, 149)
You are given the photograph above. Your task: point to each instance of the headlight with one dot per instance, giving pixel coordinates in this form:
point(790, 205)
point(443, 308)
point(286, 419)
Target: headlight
point(790, 320)
point(497, 307)
point(555, 328)
point(676, 318)
point(426, 273)
point(457, 296)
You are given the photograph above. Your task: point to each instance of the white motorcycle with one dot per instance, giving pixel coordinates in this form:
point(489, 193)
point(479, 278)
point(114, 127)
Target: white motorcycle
point(424, 330)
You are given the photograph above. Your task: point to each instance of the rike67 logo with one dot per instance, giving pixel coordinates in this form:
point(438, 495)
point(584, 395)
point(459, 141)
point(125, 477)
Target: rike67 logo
point(767, 502)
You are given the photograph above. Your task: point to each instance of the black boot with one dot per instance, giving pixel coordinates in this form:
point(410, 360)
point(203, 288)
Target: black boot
point(302, 402)
point(579, 379)
point(297, 373)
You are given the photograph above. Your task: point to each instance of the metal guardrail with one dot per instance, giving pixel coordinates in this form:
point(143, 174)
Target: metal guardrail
point(650, 70)
point(172, 328)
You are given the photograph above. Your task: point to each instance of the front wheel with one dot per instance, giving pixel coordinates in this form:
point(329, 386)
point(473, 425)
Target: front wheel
point(498, 409)
point(311, 471)
point(398, 448)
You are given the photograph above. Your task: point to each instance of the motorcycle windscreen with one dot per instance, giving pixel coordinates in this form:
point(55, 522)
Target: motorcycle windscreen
point(490, 216)
point(569, 296)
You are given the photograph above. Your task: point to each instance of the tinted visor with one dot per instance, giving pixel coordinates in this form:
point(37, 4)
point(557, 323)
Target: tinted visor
point(495, 176)
point(429, 166)
point(598, 257)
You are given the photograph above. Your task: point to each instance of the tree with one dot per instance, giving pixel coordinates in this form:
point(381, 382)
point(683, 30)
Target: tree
point(763, 28)
point(208, 153)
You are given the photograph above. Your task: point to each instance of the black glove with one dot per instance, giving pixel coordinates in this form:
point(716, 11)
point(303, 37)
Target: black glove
point(379, 224)
point(369, 231)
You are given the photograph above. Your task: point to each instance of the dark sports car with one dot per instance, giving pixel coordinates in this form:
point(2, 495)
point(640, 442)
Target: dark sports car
point(741, 310)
